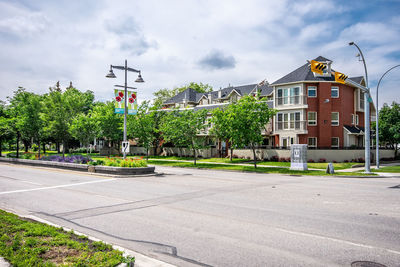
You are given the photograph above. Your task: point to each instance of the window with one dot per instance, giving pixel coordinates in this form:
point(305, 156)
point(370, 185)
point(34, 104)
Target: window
point(289, 96)
point(312, 141)
point(312, 91)
point(361, 100)
point(312, 118)
point(280, 119)
point(352, 119)
point(335, 142)
point(356, 119)
point(335, 118)
point(286, 121)
point(334, 92)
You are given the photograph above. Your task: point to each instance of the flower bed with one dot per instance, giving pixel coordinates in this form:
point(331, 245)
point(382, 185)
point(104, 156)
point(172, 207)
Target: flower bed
point(119, 162)
point(79, 159)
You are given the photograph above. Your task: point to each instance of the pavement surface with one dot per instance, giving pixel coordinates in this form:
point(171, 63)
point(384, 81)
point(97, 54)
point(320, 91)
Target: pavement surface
point(191, 217)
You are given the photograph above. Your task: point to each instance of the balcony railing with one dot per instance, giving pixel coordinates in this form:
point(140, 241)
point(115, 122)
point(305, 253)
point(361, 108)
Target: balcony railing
point(291, 100)
point(291, 125)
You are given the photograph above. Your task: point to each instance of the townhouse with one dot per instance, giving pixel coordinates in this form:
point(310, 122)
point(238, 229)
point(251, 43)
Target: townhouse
point(311, 109)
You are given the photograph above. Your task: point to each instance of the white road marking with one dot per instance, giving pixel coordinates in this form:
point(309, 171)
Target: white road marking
point(56, 186)
point(337, 240)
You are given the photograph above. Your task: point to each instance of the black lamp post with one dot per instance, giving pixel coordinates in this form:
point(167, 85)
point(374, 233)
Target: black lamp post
point(138, 80)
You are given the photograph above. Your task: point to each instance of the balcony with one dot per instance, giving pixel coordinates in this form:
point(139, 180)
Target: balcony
point(297, 100)
point(298, 126)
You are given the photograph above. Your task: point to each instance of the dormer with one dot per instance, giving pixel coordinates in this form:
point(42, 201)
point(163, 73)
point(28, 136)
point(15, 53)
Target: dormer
point(327, 72)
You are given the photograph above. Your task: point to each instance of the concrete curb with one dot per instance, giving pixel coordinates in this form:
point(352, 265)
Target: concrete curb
point(119, 171)
point(141, 260)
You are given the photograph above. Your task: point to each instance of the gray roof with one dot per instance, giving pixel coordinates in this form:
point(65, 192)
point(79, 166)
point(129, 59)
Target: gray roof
point(304, 73)
point(222, 106)
point(354, 129)
point(189, 94)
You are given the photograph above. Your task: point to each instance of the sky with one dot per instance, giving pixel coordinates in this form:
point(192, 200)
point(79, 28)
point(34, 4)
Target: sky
point(176, 42)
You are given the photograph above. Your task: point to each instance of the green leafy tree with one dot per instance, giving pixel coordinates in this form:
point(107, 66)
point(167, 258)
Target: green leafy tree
point(389, 125)
point(164, 94)
point(110, 123)
point(143, 126)
point(30, 121)
point(5, 127)
point(60, 110)
point(182, 128)
point(221, 127)
point(85, 128)
point(247, 118)
point(15, 111)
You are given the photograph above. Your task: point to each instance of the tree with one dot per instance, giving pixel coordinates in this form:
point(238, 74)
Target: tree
point(164, 94)
point(60, 110)
point(182, 128)
point(5, 128)
point(143, 126)
point(389, 125)
point(85, 128)
point(248, 117)
point(30, 121)
point(110, 123)
point(221, 126)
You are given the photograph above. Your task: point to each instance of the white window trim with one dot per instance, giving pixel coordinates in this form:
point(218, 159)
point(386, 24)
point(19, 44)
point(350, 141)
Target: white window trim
point(338, 95)
point(308, 88)
point(338, 141)
point(335, 120)
point(357, 121)
point(308, 118)
point(316, 141)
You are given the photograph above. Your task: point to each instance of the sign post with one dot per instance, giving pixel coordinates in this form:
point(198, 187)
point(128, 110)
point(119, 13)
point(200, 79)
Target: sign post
point(125, 147)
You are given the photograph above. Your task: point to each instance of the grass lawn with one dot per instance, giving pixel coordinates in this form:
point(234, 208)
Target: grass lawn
point(28, 243)
point(393, 169)
point(248, 168)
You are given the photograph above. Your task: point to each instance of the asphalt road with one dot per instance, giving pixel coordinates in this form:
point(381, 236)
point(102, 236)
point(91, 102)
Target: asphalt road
point(193, 217)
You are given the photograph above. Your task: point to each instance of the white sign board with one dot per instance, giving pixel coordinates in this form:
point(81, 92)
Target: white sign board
point(125, 147)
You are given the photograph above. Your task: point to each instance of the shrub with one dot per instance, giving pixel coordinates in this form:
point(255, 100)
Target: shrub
point(34, 147)
point(360, 160)
point(28, 156)
point(310, 161)
point(322, 160)
point(346, 161)
point(274, 158)
point(69, 159)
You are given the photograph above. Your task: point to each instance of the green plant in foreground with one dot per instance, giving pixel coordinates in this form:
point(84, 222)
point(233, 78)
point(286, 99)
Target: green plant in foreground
point(27, 243)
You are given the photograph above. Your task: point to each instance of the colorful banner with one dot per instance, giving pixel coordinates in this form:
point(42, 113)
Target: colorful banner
point(120, 102)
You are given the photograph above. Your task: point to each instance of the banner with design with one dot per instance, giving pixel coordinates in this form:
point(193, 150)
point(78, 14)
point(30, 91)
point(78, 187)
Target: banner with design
point(120, 102)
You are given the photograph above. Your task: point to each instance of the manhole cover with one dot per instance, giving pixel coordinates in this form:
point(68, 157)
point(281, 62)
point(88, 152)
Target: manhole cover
point(366, 264)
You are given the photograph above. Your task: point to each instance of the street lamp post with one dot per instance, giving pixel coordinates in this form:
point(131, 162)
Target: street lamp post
point(138, 80)
point(366, 115)
point(377, 116)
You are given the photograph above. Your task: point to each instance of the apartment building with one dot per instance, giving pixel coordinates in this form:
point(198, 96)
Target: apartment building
point(311, 109)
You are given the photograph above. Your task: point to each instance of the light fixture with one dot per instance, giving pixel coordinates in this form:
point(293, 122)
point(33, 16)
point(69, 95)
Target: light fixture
point(111, 74)
point(139, 79)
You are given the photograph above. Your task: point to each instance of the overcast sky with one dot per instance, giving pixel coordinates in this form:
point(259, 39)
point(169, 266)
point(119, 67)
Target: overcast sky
point(177, 42)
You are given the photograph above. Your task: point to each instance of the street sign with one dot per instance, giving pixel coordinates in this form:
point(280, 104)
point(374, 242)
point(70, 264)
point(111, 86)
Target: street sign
point(125, 147)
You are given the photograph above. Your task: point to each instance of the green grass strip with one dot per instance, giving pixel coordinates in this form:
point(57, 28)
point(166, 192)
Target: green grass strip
point(392, 169)
point(251, 168)
point(28, 243)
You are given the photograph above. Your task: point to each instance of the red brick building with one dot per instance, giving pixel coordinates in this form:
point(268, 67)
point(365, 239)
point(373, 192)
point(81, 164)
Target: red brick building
point(313, 109)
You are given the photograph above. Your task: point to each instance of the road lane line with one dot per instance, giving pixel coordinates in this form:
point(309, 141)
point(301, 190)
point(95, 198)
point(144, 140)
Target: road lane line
point(336, 240)
point(56, 186)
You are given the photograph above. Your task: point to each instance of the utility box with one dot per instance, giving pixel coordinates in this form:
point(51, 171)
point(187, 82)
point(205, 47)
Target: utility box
point(298, 157)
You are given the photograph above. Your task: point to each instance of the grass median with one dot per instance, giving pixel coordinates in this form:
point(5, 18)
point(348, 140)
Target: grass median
point(25, 242)
point(260, 169)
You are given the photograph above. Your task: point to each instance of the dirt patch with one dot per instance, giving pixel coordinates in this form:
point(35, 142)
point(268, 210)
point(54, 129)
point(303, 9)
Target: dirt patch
point(58, 255)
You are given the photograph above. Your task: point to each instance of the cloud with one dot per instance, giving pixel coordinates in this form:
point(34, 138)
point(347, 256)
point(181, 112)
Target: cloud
point(129, 35)
point(21, 22)
point(217, 60)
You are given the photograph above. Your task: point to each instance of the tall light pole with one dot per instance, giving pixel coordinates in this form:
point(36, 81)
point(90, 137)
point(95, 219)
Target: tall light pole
point(366, 115)
point(377, 116)
point(138, 80)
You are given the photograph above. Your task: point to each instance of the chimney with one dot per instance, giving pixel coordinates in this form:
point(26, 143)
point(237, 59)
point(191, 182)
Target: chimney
point(219, 93)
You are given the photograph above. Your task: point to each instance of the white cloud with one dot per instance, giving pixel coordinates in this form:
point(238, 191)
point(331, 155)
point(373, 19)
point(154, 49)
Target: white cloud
point(77, 41)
